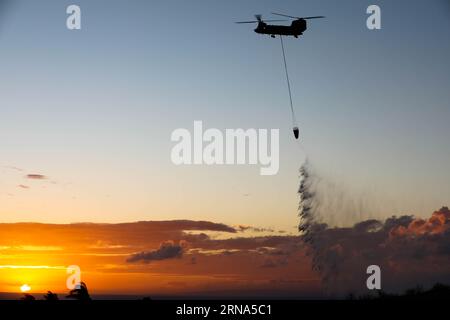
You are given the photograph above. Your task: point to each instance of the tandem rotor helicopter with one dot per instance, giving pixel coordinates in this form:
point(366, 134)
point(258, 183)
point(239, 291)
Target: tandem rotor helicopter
point(296, 29)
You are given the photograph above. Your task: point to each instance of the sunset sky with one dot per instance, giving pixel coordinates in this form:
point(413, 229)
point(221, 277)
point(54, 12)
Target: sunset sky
point(206, 259)
point(212, 263)
point(86, 118)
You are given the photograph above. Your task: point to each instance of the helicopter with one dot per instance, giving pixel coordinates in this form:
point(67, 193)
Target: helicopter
point(296, 29)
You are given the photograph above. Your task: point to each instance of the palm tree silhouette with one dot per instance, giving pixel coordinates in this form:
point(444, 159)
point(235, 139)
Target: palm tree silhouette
point(80, 293)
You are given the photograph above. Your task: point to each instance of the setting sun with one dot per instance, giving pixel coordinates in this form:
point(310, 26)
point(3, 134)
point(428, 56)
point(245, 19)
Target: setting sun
point(25, 288)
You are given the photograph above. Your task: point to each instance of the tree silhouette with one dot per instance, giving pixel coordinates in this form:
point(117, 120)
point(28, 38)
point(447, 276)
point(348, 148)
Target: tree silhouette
point(50, 296)
point(80, 293)
point(27, 297)
point(438, 291)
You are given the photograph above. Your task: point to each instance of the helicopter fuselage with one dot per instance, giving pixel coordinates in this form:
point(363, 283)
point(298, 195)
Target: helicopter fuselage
point(295, 29)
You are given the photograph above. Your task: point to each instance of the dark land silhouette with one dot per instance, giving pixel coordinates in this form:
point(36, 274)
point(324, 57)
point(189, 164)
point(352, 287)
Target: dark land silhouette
point(437, 292)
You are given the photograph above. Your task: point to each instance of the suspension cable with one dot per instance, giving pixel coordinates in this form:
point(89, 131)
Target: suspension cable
point(294, 121)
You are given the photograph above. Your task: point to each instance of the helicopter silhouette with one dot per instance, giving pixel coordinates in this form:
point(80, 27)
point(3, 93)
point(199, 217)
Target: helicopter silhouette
point(296, 29)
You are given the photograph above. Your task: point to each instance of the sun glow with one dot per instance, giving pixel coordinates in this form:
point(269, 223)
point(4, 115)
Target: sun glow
point(25, 288)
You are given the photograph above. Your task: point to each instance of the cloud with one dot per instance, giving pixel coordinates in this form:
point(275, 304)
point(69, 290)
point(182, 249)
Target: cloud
point(12, 167)
point(34, 176)
point(243, 228)
point(263, 244)
point(268, 263)
point(135, 235)
point(167, 250)
point(272, 263)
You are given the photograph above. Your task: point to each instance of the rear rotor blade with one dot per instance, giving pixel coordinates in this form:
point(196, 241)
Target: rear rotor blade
point(276, 20)
point(284, 15)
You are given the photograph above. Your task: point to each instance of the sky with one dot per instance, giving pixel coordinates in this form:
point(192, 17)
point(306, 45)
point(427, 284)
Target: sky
point(86, 116)
point(94, 109)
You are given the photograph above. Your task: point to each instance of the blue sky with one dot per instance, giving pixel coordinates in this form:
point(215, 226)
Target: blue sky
point(94, 109)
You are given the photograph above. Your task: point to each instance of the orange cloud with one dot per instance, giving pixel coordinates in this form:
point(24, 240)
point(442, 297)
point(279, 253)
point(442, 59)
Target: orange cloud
point(439, 222)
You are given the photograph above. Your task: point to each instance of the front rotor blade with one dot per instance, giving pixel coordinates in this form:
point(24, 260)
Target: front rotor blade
point(247, 22)
point(306, 18)
point(315, 17)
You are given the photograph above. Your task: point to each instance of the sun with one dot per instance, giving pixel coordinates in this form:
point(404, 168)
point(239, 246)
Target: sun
point(25, 288)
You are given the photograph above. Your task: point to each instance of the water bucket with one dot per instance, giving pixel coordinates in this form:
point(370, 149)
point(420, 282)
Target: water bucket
point(296, 132)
